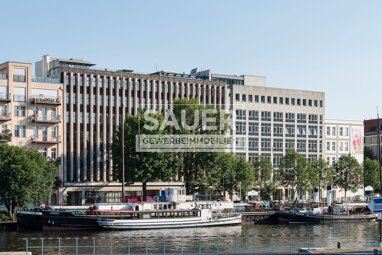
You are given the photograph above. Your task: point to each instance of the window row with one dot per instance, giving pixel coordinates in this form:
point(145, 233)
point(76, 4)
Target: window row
point(278, 100)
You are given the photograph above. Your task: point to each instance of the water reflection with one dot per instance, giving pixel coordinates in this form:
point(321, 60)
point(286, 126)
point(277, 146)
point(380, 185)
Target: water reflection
point(244, 238)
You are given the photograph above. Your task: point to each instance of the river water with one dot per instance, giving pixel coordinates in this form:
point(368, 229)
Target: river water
point(234, 239)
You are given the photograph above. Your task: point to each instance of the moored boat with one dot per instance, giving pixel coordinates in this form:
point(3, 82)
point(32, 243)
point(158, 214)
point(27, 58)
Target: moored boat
point(340, 212)
point(169, 219)
point(29, 220)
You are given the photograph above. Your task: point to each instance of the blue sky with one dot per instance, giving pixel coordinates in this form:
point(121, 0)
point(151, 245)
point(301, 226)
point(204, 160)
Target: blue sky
point(330, 46)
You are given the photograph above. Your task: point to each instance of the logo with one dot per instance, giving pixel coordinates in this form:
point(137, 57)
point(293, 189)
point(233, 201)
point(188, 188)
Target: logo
point(185, 130)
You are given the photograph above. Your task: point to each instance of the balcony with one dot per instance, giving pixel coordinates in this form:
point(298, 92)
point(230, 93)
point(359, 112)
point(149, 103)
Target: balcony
point(46, 80)
point(46, 140)
point(45, 119)
point(5, 137)
point(45, 100)
point(5, 116)
point(5, 97)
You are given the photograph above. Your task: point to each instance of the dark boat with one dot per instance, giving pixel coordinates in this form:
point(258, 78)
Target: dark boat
point(29, 220)
point(308, 217)
point(68, 220)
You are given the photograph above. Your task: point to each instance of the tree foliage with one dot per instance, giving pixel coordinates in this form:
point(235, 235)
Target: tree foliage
point(26, 176)
point(368, 153)
point(140, 166)
point(371, 174)
point(295, 172)
point(263, 177)
point(203, 172)
point(348, 173)
point(322, 174)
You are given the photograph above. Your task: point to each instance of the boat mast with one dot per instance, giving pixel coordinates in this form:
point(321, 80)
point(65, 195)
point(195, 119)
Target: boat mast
point(380, 172)
point(123, 141)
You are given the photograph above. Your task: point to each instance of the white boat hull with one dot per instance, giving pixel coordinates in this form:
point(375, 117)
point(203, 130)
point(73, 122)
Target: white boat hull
point(134, 224)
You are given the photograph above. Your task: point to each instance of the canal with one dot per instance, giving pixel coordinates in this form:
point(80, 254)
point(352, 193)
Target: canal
point(235, 239)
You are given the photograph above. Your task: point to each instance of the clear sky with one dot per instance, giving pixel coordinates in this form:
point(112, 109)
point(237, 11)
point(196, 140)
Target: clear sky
point(329, 46)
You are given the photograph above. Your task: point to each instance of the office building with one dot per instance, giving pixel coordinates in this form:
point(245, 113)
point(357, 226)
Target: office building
point(95, 103)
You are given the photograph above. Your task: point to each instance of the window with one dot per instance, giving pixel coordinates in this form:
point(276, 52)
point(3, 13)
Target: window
point(4, 110)
point(35, 110)
point(19, 74)
point(19, 111)
point(256, 98)
point(289, 117)
point(54, 132)
point(341, 131)
point(53, 153)
point(263, 99)
point(304, 102)
point(266, 115)
point(244, 97)
point(275, 100)
point(17, 131)
point(293, 101)
point(265, 129)
point(44, 131)
point(53, 113)
point(240, 114)
point(327, 130)
point(281, 100)
point(19, 94)
point(278, 116)
point(346, 131)
point(328, 146)
point(35, 131)
point(253, 115)
point(237, 97)
point(250, 98)
point(240, 128)
point(287, 100)
point(44, 151)
point(269, 99)
point(333, 130)
point(333, 146)
point(253, 144)
point(253, 128)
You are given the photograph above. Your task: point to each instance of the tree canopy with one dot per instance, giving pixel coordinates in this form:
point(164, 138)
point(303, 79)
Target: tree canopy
point(203, 172)
point(371, 173)
point(26, 176)
point(348, 173)
point(295, 172)
point(264, 183)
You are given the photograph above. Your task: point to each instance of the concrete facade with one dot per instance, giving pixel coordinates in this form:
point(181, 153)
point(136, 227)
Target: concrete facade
point(93, 111)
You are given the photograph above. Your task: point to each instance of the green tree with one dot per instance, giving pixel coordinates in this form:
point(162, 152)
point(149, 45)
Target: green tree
point(295, 172)
point(371, 175)
point(196, 166)
point(141, 166)
point(348, 173)
point(368, 153)
point(263, 177)
point(26, 176)
point(322, 174)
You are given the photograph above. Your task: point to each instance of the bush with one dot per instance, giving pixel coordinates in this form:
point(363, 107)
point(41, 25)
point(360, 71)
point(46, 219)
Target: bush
point(4, 217)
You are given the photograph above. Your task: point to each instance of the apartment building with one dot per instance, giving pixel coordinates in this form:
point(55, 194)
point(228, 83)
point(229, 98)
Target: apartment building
point(95, 103)
point(31, 112)
point(342, 137)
